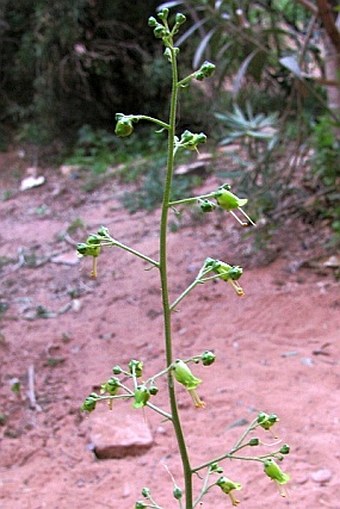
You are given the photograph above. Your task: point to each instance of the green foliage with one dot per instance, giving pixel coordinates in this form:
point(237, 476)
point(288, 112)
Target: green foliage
point(326, 164)
point(247, 39)
point(326, 160)
point(64, 64)
point(98, 149)
point(94, 150)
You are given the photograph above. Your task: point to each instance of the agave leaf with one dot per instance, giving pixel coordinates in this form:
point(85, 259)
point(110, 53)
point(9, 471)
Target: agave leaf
point(190, 31)
point(202, 47)
point(260, 135)
point(238, 81)
point(169, 5)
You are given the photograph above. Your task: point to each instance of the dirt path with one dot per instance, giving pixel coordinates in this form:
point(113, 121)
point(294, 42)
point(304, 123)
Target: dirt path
point(277, 350)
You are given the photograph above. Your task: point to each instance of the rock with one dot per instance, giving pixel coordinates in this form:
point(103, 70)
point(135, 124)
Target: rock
point(322, 475)
point(119, 433)
point(29, 182)
point(195, 168)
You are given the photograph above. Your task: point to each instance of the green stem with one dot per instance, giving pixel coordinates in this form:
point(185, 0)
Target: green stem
point(205, 488)
point(253, 425)
point(131, 394)
point(115, 243)
point(164, 285)
point(192, 199)
point(230, 456)
point(196, 282)
point(161, 124)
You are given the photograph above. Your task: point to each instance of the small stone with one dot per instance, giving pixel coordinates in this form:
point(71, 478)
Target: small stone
point(307, 361)
point(76, 305)
point(118, 433)
point(161, 430)
point(322, 475)
point(29, 182)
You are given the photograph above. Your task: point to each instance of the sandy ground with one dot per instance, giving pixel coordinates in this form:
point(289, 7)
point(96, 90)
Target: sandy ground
point(277, 351)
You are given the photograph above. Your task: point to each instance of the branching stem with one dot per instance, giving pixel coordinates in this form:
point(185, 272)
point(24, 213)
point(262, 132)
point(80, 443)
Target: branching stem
point(115, 243)
point(164, 284)
point(156, 121)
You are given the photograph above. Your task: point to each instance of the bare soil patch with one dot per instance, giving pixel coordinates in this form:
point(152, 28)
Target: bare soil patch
point(277, 350)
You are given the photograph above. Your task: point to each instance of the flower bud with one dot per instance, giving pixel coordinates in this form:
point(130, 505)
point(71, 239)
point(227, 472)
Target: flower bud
point(140, 505)
point(136, 367)
point(285, 449)
point(206, 70)
point(103, 231)
point(207, 205)
point(117, 370)
point(160, 32)
point(93, 239)
point(208, 358)
point(153, 390)
point(146, 492)
point(177, 493)
point(253, 442)
point(90, 402)
point(82, 248)
point(142, 396)
point(85, 249)
point(180, 19)
point(111, 386)
point(163, 14)
point(214, 467)
point(152, 22)
point(124, 125)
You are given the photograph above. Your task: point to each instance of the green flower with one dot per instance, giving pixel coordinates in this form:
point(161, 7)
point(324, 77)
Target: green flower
point(90, 402)
point(136, 367)
point(184, 376)
point(229, 273)
point(191, 140)
point(267, 421)
point(228, 486)
point(90, 248)
point(124, 125)
point(142, 396)
point(111, 386)
point(274, 472)
point(230, 202)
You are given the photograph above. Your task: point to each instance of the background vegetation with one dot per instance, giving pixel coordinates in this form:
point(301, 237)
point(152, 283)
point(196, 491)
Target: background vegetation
point(67, 67)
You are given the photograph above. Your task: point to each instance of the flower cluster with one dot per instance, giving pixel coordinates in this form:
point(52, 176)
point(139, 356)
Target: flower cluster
point(226, 272)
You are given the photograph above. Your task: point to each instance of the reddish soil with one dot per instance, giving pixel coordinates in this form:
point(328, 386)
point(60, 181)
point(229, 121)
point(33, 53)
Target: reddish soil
point(277, 351)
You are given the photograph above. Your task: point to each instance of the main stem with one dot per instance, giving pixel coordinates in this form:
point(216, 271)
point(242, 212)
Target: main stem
point(164, 284)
